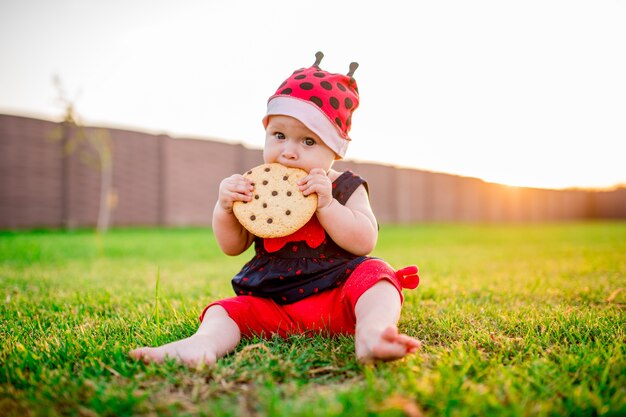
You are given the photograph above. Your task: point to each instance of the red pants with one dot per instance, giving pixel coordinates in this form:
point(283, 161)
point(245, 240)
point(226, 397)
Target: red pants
point(330, 312)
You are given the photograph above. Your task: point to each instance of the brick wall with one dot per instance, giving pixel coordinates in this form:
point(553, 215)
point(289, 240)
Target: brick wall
point(173, 182)
point(31, 175)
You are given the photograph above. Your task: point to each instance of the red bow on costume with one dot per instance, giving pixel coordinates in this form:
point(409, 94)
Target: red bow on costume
point(408, 277)
point(312, 233)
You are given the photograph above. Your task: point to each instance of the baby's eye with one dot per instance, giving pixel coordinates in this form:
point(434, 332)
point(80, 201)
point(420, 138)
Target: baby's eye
point(309, 141)
point(279, 135)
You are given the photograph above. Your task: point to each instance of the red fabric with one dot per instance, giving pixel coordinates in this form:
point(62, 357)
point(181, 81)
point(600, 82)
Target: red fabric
point(408, 277)
point(330, 311)
point(312, 233)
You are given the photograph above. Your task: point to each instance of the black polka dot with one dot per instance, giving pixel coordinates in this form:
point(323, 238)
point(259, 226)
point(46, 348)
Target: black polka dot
point(349, 121)
point(283, 84)
point(326, 85)
point(316, 100)
point(319, 74)
point(286, 91)
point(298, 71)
point(306, 86)
point(334, 102)
point(348, 103)
point(341, 87)
point(338, 121)
point(300, 77)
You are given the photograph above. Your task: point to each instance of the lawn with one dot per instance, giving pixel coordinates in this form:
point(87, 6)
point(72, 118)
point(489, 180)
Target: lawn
point(515, 320)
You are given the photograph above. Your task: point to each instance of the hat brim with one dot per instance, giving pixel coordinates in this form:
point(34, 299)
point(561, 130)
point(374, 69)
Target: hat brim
point(312, 117)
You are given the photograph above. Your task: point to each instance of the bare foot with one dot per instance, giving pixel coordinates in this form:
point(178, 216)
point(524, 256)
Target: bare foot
point(388, 345)
point(192, 351)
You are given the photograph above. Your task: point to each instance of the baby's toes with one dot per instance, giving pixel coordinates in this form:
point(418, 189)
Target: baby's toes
point(137, 354)
point(410, 342)
point(148, 354)
point(390, 334)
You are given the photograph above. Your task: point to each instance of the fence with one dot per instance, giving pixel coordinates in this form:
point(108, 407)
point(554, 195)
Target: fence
point(164, 181)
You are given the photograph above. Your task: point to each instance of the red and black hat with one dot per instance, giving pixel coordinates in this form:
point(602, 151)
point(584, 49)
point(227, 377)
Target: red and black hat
point(323, 101)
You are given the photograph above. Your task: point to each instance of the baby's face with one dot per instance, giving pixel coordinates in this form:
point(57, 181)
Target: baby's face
point(289, 142)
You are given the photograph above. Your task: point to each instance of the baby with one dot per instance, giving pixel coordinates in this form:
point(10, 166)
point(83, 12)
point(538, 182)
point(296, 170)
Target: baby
point(330, 286)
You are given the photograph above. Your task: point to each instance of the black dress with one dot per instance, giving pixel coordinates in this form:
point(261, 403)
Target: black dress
point(302, 264)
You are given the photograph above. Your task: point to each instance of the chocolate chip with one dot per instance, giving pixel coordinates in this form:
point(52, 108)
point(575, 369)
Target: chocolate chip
point(256, 197)
point(288, 212)
point(270, 220)
point(274, 193)
point(288, 193)
point(285, 178)
point(267, 169)
point(253, 217)
point(265, 182)
point(249, 172)
point(264, 205)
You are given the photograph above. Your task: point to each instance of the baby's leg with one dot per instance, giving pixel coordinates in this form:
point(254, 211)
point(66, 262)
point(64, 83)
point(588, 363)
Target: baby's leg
point(217, 335)
point(376, 336)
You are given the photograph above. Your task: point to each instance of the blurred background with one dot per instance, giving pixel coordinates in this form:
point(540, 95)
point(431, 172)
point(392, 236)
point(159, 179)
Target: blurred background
point(130, 112)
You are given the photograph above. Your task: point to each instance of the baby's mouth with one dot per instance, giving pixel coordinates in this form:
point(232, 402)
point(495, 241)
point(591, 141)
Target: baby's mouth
point(289, 165)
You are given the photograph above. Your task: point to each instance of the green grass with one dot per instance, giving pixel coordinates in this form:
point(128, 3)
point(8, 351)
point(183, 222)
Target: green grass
point(515, 320)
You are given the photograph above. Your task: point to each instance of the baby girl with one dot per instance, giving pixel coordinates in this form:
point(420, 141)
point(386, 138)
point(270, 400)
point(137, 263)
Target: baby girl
point(331, 286)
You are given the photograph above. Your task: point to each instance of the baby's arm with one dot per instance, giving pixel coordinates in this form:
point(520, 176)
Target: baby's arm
point(353, 226)
point(232, 237)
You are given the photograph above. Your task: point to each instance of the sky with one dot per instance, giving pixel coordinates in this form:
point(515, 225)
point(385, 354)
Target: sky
point(528, 93)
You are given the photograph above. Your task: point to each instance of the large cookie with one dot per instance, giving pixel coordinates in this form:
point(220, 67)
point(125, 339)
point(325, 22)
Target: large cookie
point(278, 207)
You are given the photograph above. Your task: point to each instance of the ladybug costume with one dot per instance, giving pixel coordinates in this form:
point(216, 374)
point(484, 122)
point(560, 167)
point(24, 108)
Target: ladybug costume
point(294, 267)
point(307, 282)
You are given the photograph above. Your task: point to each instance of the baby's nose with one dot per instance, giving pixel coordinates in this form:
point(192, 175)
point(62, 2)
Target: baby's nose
point(289, 152)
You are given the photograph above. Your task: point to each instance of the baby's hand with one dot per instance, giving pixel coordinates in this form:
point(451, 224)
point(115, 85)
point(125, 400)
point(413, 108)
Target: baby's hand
point(234, 188)
point(318, 182)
